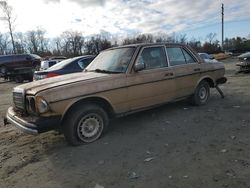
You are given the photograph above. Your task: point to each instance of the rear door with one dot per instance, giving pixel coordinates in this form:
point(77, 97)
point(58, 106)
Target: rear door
point(186, 69)
point(154, 84)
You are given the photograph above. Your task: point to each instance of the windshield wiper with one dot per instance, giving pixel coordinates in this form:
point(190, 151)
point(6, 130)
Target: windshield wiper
point(106, 71)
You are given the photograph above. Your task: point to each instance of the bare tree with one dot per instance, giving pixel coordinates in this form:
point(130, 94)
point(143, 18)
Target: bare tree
point(36, 41)
point(211, 37)
point(41, 39)
point(142, 38)
point(56, 46)
point(195, 44)
point(72, 43)
point(96, 44)
point(32, 41)
point(8, 17)
point(4, 41)
point(182, 38)
point(20, 43)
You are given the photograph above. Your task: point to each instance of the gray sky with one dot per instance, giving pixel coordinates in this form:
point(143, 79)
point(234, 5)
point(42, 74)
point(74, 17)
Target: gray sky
point(126, 17)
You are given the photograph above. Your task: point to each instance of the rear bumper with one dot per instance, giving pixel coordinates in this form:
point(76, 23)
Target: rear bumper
point(32, 125)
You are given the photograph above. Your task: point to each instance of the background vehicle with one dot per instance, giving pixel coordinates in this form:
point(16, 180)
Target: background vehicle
point(19, 67)
point(244, 62)
point(207, 58)
point(76, 64)
point(50, 62)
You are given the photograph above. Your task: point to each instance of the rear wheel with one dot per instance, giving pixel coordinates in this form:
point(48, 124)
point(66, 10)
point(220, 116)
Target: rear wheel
point(201, 94)
point(85, 124)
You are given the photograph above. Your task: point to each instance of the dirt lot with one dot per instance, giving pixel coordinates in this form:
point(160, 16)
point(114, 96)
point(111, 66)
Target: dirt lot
point(176, 145)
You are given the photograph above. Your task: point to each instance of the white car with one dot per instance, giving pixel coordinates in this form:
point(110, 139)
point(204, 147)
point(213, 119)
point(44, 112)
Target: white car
point(207, 58)
point(50, 62)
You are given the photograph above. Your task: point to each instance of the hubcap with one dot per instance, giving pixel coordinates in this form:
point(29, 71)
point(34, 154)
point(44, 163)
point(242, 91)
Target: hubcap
point(90, 127)
point(203, 93)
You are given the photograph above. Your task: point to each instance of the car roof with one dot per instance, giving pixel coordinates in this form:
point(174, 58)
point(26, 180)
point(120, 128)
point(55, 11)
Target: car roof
point(66, 62)
point(247, 54)
point(147, 44)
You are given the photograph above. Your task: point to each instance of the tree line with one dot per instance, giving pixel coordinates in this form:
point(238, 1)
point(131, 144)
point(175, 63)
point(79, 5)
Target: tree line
point(73, 43)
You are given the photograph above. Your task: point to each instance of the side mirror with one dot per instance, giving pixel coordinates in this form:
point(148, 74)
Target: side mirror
point(139, 66)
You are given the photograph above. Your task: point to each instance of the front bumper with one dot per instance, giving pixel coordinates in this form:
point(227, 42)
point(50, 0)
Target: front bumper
point(243, 66)
point(30, 124)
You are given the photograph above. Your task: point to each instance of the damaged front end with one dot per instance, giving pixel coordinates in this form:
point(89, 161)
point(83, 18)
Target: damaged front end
point(243, 64)
point(25, 113)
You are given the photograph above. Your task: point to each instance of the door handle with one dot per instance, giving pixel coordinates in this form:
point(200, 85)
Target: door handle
point(197, 69)
point(169, 74)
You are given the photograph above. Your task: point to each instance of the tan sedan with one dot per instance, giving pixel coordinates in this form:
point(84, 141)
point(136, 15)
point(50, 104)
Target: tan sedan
point(119, 81)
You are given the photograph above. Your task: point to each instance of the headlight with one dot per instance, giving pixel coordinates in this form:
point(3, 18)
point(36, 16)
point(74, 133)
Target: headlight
point(41, 105)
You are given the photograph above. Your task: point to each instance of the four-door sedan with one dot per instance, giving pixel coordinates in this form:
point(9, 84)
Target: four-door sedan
point(72, 65)
point(117, 82)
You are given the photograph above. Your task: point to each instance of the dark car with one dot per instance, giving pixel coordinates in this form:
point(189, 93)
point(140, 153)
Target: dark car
point(72, 65)
point(244, 62)
point(19, 66)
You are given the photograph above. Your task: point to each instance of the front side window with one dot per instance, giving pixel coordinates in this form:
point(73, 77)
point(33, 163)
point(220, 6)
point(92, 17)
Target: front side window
point(153, 57)
point(112, 61)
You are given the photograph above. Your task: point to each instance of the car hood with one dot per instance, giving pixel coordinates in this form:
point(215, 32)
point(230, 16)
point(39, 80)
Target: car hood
point(247, 54)
point(41, 85)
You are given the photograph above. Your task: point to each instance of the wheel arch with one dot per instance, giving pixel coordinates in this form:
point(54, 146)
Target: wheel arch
point(208, 79)
point(102, 102)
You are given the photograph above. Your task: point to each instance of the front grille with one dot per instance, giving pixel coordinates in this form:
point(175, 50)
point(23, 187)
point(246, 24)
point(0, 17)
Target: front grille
point(18, 100)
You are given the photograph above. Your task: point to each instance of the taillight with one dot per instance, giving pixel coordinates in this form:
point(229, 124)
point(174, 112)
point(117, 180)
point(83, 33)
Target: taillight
point(52, 74)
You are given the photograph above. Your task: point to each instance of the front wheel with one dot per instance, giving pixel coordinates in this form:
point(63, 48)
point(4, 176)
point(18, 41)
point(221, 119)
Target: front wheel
point(85, 124)
point(201, 94)
point(19, 79)
point(3, 70)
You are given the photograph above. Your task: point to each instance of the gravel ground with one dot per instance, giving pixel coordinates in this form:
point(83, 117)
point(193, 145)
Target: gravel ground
point(175, 146)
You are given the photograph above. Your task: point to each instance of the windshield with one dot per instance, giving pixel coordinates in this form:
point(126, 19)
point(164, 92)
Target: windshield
point(112, 61)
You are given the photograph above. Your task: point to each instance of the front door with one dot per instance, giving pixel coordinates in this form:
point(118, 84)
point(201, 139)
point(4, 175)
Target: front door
point(153, 85)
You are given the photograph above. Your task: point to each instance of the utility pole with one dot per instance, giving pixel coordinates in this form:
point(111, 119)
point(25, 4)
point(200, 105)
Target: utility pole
point(222, 26)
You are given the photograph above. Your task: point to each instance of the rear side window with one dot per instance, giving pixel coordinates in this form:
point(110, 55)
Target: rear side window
point(176, 56)
point(153, 57)
point(179, 56)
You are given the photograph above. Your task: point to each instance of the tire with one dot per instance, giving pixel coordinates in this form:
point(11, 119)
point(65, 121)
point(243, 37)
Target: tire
point(19, 79)
point(30, 78)
point(201, 94)
point(3, 70)
point(85, 124)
